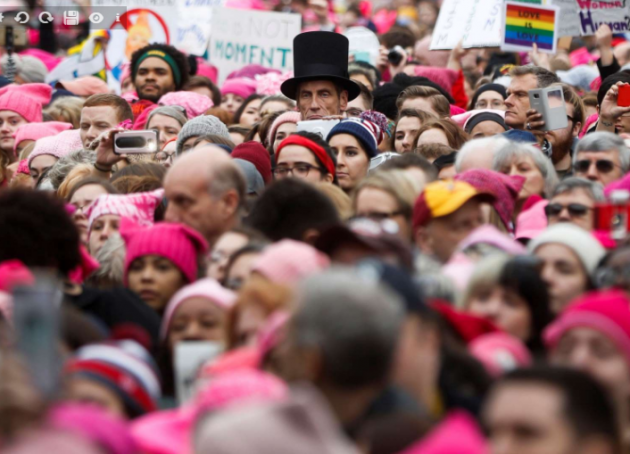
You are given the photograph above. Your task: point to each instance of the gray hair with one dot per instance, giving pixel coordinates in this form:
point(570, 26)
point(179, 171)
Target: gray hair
point(168, 111)
point(30, 69)
point(111, 257)
point(494, 143)
point(511, 150)
point(353, 320)
point(594, 190)
point(60, 170)
point(226, 177)
point(604, 141)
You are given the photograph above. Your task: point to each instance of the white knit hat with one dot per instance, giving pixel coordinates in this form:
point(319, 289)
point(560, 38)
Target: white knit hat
point(586, 246)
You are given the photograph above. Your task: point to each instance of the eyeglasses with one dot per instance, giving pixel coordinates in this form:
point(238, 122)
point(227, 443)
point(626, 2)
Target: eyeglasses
point(494, 104)
point(163, 156)
point(300, 170)
point(575, 209)
point(602, 165)
point(378, 216)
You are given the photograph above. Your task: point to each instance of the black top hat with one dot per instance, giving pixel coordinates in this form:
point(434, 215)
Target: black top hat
point(320, 56)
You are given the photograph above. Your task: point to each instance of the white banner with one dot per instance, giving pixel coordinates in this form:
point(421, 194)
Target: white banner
point(243, 37)
point(194, 25)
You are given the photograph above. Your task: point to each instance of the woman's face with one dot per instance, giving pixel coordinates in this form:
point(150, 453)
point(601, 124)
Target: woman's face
point(102, 229)
point(486, 129)
point(231, 102)
point(91, 392)
point(593, 352)
point(126, 86)
point(155, 279)
point(81, 199)
point(534, 180)
point(352, 160)
point(41, 164)
point(563, 273)
point(251, 113)
point(378, 205)
point(197, 319)
point(283, 131)
point(250, 319)
point(189, 144)
point(490, 100)
point(240, 271)
point(406, 131)
point(299, 162)
point(226, 245)
point(505, 308)
point(166, 126)
point(433, 136)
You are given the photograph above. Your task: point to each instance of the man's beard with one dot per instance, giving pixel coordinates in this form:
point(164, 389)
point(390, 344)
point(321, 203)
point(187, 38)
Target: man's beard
point(155, 96)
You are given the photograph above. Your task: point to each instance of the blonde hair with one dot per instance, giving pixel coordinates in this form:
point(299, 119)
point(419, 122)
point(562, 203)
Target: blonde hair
point(486, 275)
point(396, 183)
point(78, 173)
point(67, 109)
point(340, 199)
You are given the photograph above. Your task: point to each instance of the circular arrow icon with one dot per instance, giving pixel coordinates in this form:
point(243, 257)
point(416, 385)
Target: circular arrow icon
point(96, 18)
point(22, 17)
point(45, 17)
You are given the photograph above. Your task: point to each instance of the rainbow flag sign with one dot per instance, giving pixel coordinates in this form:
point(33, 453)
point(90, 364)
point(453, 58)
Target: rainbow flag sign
point(526, 25)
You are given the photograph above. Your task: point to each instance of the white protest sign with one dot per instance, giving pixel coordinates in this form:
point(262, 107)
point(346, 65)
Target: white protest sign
point(364, 44)
point(145, 22)
point(244, 37)
point(194, 22)
point(84, 63)
point(475, 22)
point(569, 23)
point(190, 356)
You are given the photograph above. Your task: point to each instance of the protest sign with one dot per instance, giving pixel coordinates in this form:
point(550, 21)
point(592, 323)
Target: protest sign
point(143, 23)
point(194, 25)
point(583, 17)
point(190, 356)
point(477, 23)
point(364, 44)
point(526, 25)
point(243, 37)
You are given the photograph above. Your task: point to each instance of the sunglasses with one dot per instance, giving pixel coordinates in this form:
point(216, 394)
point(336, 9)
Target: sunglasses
point(575, 209)
point(602, 165)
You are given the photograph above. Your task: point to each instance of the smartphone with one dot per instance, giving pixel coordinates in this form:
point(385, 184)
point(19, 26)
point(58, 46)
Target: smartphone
point(136, 142)
point(377, 160)
point(321, 127)
point(36, 322)
point(190, 356)
point(12, 36)
point(613, 216)
point(623, 99)
point(550, 103)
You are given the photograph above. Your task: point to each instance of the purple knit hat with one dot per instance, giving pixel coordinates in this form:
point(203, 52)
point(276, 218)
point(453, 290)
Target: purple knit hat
point(59, 146)
point(176, 242)
point(504, 188)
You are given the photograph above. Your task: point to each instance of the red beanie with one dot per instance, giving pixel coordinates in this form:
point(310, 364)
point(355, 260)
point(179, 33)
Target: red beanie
point(255, 153)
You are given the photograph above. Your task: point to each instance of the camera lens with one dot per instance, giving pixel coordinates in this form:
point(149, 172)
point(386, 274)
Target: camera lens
point(130, 142)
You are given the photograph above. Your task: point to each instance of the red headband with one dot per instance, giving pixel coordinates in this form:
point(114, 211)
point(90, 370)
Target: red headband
point(318, 151)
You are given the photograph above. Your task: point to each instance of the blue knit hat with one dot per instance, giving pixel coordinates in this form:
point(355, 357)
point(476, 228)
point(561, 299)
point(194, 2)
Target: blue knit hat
point(365, 131)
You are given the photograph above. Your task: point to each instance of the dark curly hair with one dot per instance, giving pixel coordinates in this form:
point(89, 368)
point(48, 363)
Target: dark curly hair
point(37, 230)
point(179, 58)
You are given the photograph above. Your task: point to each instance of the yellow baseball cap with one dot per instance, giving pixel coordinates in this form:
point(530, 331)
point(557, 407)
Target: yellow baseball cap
point(442, 198)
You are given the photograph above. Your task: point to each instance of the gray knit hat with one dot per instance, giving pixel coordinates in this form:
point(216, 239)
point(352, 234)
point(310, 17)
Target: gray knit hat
point(169, 111)
point(255, 182)
point(201, 126)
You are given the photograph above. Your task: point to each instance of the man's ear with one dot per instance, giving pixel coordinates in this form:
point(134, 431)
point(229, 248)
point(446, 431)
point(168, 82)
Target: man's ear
point(577, 127)
point(343, 100)
point(423, 240)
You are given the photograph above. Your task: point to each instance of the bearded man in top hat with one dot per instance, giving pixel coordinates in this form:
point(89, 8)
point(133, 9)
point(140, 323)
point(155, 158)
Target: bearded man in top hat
point(321, 86)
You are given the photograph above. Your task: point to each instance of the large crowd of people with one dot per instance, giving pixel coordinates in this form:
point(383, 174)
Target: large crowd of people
point(395, 257)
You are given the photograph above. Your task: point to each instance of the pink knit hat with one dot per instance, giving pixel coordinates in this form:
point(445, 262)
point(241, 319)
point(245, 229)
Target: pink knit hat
point(500, 353)
point(26, 100)
point(503, 187)
point(532, 222)
point(194, 103)
point(176, 242)
point(85, 86)
point(240, 87)
point(288, 261)
point(287, 117)
point(205, 69)
point(58, 145)
point(269, 84)
point(444, 77)
point(139, 207)
point(208, 289)
point(36, 131)
point(605, 311)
